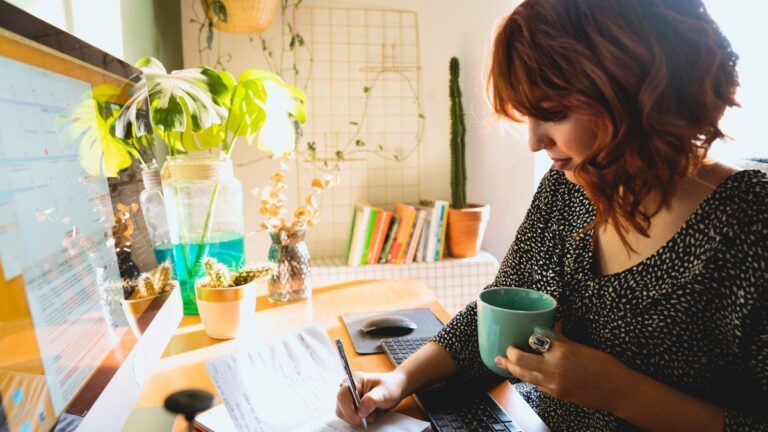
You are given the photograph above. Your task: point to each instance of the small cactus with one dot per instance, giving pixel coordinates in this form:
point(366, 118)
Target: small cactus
point(162, 277)
point(147, 286)
point(253, 272)
point(153, 283)
point(218, 274)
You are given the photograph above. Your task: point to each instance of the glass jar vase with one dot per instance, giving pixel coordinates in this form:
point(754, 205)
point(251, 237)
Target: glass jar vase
point(153, 210)
point(293, 280)
point(204, 204)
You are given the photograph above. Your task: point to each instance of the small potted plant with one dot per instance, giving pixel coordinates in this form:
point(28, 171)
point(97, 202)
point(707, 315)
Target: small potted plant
point(143, 290)
point(227, 300)
point(466, 222)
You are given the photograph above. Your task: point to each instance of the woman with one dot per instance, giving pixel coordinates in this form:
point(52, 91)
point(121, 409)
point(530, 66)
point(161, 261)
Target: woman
point(656, 255)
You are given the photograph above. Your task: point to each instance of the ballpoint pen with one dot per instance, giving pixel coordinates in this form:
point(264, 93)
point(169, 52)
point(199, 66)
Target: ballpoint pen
point(350, 379)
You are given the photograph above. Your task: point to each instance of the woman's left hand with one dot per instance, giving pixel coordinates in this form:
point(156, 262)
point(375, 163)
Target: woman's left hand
point(569, 371)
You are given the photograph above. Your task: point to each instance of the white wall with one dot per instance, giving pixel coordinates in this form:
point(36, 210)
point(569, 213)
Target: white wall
point(127, 29)
point(500, 168)
point(94, 21)
point(744, 25)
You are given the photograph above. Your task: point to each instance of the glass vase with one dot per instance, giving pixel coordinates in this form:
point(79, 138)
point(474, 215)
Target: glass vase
point(155, 219)
point(293, 279)
point(204, 204)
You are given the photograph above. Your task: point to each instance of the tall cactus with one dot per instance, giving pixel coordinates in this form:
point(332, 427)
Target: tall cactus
point(458, 135)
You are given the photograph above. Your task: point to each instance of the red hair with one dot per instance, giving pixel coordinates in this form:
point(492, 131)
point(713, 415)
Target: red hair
point(655, 75)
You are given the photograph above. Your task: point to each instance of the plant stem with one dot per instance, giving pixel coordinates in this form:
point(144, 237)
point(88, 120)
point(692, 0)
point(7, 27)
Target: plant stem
point(206, 226)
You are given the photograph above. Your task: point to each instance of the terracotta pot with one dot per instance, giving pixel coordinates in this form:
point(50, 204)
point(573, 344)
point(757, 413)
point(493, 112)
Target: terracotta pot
point(246, 16)
point(466, 228)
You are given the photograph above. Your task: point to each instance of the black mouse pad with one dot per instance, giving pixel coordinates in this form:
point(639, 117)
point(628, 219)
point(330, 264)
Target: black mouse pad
point(427, 325)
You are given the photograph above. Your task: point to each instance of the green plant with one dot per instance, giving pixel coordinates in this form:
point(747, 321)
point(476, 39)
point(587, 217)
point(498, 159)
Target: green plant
point(91, 123)
point(219, 275)
point(458, 135)
point(291, 40)
point(204, 109)
point(213, 11)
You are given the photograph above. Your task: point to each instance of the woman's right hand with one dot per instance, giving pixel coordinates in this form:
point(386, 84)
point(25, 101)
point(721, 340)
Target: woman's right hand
point(378, 391)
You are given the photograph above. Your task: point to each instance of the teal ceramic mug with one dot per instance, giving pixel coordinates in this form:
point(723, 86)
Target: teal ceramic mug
point(509, 316)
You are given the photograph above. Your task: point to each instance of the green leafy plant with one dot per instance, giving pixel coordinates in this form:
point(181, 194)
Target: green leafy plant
point(458, 135)
point(291, 41)
point(204, 109)
point(219, 276)
point(213, 11)
point(91, 123)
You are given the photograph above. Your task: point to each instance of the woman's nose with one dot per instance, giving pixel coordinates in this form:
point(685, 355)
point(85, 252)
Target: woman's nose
point(537, 139)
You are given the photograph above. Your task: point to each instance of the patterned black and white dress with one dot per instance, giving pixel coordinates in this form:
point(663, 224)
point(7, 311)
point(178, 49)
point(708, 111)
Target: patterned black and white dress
point(693, 315)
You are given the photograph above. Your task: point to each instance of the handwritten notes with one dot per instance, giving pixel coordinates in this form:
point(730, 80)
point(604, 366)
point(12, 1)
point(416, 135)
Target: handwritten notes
point(289, 384)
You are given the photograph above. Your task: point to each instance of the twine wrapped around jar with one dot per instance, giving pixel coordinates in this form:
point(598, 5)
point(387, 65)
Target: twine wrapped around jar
point(293, 279)
point(245, 16)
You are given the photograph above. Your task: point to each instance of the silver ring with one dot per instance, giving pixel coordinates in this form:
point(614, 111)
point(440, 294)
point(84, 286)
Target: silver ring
point(539, 342)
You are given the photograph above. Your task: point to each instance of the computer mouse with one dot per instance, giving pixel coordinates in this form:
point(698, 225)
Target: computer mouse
point(388, 326)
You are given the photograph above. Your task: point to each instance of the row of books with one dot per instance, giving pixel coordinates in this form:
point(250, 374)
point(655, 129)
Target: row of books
point(406, 234)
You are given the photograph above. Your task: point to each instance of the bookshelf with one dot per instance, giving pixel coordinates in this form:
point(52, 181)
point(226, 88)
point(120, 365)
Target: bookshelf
point(455, 282)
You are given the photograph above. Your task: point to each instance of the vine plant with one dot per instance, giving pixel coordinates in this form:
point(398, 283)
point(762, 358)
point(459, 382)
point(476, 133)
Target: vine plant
point(205, 32)
point(284, 62)
point(356, 146)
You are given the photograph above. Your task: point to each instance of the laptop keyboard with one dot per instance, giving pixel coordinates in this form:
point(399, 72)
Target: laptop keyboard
point(453, 404)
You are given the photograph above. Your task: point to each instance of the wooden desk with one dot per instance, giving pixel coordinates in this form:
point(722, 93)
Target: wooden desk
point(183, 363)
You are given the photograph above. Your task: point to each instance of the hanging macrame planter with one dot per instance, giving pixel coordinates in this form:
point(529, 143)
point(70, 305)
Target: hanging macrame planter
point(245, 16)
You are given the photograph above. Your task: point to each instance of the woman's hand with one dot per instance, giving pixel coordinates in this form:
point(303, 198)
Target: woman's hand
point(377, 391)
point(569, 371)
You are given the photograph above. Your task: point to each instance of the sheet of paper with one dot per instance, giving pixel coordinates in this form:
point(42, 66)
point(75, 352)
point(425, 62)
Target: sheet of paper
point(288, 384)
point(281, 385)
point(217, 420)
point(384, 422)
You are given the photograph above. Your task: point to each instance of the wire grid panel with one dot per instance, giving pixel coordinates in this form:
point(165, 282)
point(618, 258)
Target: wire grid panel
point(455, 282)
point(363, 105)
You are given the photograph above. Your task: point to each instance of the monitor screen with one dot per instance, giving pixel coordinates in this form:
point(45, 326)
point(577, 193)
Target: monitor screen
point(68, 234)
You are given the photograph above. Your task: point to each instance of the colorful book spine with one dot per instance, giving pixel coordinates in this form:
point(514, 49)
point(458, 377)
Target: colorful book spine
point(407, 215)
point(351, 240)
point(413, 241)
point(445, 239)
point(440, 231)
point(393, 227)
point(361, 226)
point(421, 253)
point(434, 228)
point(379, 236)
point(375, 214)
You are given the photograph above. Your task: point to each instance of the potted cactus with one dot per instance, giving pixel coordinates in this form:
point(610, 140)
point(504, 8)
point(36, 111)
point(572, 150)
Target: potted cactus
point(227, 300)
point(466, 222)
point(143, 290)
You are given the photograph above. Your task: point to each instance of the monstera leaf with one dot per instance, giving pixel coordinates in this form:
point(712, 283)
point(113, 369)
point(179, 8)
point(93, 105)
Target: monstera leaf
point(91, 123)
point(260, 108)
point(184, 100)
point(285, 107)
point(203, 109)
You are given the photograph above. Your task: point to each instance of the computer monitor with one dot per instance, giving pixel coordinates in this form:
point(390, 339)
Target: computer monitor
point(69, 356)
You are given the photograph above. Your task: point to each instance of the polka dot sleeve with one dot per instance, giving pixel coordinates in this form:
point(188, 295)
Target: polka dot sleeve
point(754, 325)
